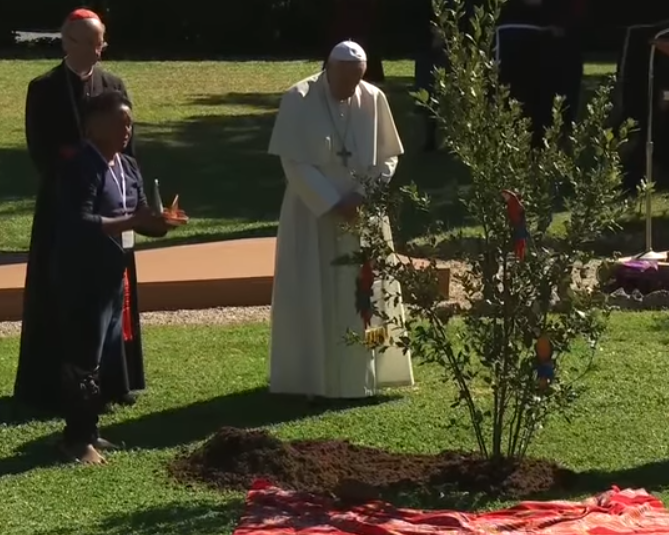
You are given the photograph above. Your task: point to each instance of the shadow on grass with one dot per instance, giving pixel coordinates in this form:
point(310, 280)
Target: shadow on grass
point(436, 172)
point(440, 175)
point(176, 518)
point(181, 426)
point(446, 180)
point(219, 166)
point(14, 413)
point(248, 409)
point(653, 477)
point(266, 101)
point(18, 181)
point(185, 518)
point(41, 453)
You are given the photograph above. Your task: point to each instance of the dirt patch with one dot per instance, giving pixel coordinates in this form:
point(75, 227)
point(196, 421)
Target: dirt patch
point(234, 458)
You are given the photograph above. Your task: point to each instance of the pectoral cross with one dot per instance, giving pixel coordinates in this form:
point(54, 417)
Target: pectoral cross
point(344, 154)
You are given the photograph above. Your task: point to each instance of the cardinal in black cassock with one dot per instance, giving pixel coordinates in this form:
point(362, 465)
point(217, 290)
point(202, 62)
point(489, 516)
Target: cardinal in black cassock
point(53, 133)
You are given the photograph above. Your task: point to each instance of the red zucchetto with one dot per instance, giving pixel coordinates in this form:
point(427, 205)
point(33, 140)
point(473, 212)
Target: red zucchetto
point(82, 14)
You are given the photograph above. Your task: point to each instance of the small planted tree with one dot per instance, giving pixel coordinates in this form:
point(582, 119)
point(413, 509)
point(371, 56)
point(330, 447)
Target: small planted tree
point(527, 306)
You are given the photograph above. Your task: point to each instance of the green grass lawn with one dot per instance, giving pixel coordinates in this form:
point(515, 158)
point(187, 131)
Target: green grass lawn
point(620, 431)
point(203, 130)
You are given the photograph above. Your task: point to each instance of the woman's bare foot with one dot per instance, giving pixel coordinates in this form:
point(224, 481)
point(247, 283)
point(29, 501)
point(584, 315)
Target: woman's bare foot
point(91, 456)
point(83, 453)
point(102, 444)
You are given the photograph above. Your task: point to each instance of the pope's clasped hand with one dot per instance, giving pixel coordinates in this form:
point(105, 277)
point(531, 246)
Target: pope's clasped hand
point(348, 207)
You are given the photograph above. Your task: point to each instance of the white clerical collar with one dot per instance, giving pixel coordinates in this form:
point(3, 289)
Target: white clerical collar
point(82, 76)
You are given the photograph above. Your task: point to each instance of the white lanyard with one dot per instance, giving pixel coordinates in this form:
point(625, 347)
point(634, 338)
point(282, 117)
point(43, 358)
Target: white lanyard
point(120, 184)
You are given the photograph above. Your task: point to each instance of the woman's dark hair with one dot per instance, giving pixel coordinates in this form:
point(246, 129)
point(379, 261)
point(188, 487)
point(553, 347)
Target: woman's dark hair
point(106, 102)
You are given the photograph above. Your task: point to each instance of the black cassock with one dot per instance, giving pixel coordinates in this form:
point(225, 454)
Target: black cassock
point(429, 51)
point(430, 55)
point(525, 56)
point(632, 75)
point(535, 63)
point(54, 133)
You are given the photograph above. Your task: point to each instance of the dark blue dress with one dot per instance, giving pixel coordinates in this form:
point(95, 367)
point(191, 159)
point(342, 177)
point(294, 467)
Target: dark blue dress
point(89, 266)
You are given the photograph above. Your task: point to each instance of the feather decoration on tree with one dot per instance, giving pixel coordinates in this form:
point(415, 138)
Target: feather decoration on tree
point(516, 213)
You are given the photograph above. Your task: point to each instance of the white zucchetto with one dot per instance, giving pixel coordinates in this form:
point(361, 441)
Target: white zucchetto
point(348, 51)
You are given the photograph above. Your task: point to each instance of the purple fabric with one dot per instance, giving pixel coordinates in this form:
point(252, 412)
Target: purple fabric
point(641, 265)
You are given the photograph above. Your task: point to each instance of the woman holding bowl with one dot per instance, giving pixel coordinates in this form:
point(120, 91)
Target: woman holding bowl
point(101, 206)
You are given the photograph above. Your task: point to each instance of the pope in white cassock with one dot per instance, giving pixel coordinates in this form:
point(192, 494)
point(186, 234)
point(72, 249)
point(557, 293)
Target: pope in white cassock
point(330, 127)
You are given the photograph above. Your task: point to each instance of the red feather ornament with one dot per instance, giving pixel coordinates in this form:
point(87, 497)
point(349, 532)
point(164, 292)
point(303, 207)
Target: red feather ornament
point(516, 214)
point(364, 293)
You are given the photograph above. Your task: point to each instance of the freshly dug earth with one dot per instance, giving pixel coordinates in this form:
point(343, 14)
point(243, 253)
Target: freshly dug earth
point(234, 458)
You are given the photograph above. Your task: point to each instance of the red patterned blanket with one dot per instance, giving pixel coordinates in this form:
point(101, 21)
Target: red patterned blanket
point(272, 511)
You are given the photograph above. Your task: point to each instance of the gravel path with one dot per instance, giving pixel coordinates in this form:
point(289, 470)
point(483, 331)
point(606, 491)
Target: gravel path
point(238, 315)
point(212, 316)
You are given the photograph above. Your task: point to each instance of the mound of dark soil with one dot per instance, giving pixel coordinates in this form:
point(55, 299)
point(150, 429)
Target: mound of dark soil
point(234, 458)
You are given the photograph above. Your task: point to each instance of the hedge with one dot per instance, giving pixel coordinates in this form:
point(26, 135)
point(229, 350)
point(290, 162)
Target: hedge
point(270, 27)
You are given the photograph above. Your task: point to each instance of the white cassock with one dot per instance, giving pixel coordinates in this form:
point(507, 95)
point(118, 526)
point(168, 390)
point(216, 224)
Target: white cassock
point(313, 303)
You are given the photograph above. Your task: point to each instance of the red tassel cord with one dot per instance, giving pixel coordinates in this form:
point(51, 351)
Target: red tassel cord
point(128, 335)
point(364, 293)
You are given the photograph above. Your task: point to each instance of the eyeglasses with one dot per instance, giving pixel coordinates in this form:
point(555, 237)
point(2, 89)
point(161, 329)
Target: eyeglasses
point(98, 47)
